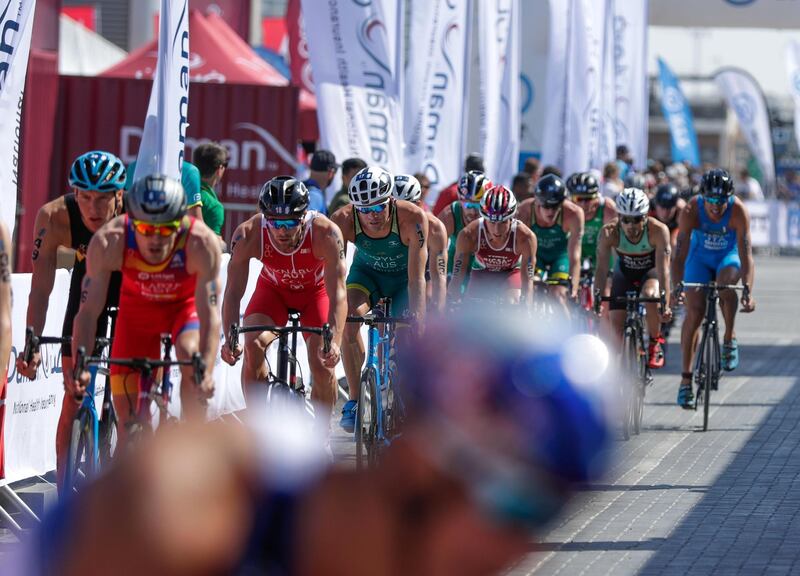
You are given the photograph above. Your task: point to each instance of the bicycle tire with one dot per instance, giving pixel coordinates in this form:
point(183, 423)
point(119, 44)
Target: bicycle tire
point(366, 417)
point(107, 437)
point(81, 450)
point(708, 355)
point(639, 384)
point(626, 385)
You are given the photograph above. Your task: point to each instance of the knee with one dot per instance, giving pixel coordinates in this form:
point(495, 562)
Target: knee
point(254, 349)
point(351, 333)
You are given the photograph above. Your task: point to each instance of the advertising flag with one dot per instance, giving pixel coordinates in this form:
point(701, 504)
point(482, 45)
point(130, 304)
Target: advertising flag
point(793, 69)
point(678, 116)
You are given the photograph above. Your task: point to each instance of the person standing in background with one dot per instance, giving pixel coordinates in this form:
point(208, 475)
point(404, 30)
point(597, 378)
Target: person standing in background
point(425, 185)
point(323, 169)
point(748, 188)
point(350, 168)
point(190, 180)
point(522, 186)
point(612, 183)
point(211, 160)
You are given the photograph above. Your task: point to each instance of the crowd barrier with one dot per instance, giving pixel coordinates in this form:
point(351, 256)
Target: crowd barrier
point(774, 224)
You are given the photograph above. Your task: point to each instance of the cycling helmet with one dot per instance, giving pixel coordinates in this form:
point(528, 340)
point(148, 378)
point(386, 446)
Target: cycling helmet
point(716, 183)
point(406, 187)
point(472, 186)
point(529, 422)
point(633, 202)
point(156, 199)
point(583, 184)
point(498, 204)
point(550, 190)
point(635, 180)
point(371, 185)
point(283, 197)
point(97, 171)
point(667, 196)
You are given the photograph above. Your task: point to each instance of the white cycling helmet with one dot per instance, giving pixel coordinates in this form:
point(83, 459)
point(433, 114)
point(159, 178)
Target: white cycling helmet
point(371, 185)
point(407, 188)
point(632, 202)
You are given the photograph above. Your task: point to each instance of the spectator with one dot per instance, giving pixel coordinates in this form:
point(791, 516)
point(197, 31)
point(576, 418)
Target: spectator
point(748, 188)
point(211, 160)
point(532, 167)
point(425, 184)
point(450, 194)
point(789, 186)
point(322, 171)
point(624, 160)
point(612, 183)
point(350, 168)
point(522, 186)
point(554, 170)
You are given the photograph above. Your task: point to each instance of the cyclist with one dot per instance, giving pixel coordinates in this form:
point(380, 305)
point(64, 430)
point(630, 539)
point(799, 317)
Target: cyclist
point(643, 256)
point(5, 327)
point(713, 244)
point(391, 240)
point(170, 264)
point(558, 225)
point(498, 245)
point(408, 188)
point(584, 191)
point(96, 180)
point(455, 217)
point(666, 206)
point(487, 460)
point(303, 269)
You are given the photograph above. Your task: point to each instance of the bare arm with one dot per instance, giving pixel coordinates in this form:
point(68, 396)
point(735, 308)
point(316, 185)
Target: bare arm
point(417, 259)
point(575, 230)
point(662, 242)
point(50, 233)
point(466, 244)
point(5, 300)
point(528, 254)
point(331, 250)
point(205, 256)
point(605, 244)
point(686, 223)
point(745, 247)
point(246, 244)
point(437, 263)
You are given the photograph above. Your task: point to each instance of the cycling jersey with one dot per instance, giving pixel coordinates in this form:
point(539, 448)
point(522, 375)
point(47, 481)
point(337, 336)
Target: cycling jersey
point(492, 267)
point(551, 250)
point(291, 280)
point(713, 246)
point(458, 225)
point(591, 230)
point(155, 299)
point(80, 236)
point(636, 264)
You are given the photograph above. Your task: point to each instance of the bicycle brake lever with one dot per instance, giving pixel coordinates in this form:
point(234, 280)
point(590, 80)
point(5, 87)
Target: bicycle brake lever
point(80, 363)
point(31, 343)
point(233, 338)
point(199, 366)
point(327, 336)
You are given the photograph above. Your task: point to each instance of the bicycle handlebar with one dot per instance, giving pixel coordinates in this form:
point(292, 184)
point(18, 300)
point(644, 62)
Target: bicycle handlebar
point(34, 343)
point(325, 331)
point(710, 286)
point(196, 362)
point(369, 319)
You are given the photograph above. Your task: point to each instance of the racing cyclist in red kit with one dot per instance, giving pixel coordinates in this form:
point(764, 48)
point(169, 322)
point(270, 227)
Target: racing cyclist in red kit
point(304, 269)
point(504, 252)
point(170, 268)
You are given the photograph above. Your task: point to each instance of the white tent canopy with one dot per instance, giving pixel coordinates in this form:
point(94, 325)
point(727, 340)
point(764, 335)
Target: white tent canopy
point(82, 52)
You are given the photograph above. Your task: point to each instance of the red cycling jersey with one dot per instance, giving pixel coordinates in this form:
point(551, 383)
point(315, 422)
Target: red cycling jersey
point(495, 268)
point(295, 271)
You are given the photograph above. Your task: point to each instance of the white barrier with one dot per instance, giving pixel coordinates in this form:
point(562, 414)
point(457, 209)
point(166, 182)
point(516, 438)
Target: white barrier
point(33, 406)
point(774, 223)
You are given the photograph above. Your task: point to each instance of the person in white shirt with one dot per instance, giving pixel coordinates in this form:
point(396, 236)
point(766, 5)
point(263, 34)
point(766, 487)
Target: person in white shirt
point(748, 188)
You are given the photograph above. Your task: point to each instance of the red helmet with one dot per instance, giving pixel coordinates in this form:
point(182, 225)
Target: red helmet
point(498, 204)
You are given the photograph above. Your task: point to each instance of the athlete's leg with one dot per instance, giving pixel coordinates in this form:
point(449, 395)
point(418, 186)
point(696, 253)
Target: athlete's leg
point(69, 409)
point(352, 345)
point(186, 344)
point(650, 289)
point(729, 299)
point(254, 367)
point(695, 310)
point(559, 294)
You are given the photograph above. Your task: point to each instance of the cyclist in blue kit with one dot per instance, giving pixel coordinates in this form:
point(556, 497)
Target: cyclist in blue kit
point(713, 244)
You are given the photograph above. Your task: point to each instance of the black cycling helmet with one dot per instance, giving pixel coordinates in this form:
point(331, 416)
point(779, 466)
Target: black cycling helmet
point(635, 180)
point(550, 190)
point(667, 196)
point(716, 183)
point(283, 197)
point(583, 184)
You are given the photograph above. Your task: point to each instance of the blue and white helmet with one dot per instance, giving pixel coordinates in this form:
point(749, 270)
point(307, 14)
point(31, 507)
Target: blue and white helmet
point(97, 171)
point(407, 187)
point(371, 185)
point(156, 199)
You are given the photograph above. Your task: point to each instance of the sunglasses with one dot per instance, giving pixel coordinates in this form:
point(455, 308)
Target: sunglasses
point(377, 209)
point(284, 224)
point(716, 200)
point(163, 230)
point(632, 219)
point(472, 205)
point(583, 198)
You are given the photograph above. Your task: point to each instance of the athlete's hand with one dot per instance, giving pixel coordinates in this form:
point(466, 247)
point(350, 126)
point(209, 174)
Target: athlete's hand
point(331, 359)
point(229, 355)
point(28, 369)
point(748, 303)
point(76, 387)
point(207, 386)
point(676, 299)
point(666, 315)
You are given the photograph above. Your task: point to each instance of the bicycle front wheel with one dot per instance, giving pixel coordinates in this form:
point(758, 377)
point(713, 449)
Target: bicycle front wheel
point(627, 385)
point(639, 384)
point(711, 373)
point(81, 462)
point(366, 420)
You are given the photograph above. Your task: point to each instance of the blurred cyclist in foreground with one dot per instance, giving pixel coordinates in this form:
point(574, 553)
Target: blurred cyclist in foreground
point(502, 424)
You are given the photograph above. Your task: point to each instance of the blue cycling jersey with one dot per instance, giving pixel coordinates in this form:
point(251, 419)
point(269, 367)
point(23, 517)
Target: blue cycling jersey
point(714, 237)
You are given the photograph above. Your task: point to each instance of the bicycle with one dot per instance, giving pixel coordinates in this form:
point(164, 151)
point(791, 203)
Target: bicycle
point(150, 389)
point(544, 304)
point(91, 437)
point(634, 358)
point(380, 409)
point(708, 360)
point(286, 383)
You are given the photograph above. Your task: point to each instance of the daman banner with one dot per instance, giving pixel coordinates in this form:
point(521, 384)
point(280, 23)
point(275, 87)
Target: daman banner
point(745, 98)
point(16, 24)
point(793, 70)
point(499, 117)
point(356, 51)
point(434, 98)
point(164, 137)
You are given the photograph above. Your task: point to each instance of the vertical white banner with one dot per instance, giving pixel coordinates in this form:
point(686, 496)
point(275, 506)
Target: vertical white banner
point(498, 53)
point(356, 51)
point(607, 144)
point(164, 138)
point(745, 98)
point(534, 43)
point(793, 70)
point(555, 98)
point(630, 66)
point(434, 97)
point(16, 24)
